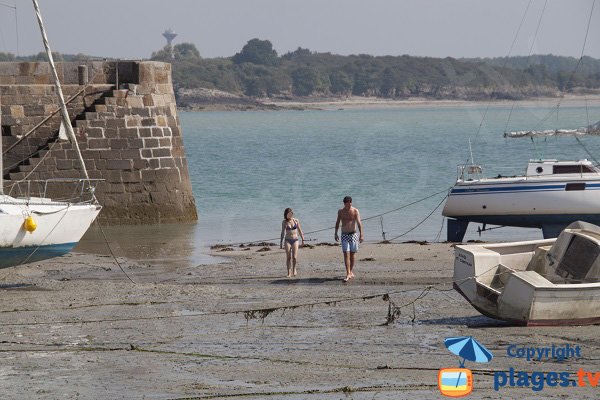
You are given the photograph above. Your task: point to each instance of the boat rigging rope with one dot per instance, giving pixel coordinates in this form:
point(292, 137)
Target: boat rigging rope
point(421, 222)
point(528, 56)
point(566, 86)
point(489, 102)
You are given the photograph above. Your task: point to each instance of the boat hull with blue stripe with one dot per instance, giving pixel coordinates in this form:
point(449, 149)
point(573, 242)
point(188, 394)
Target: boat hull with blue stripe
point(60, 226)
point(551, 195)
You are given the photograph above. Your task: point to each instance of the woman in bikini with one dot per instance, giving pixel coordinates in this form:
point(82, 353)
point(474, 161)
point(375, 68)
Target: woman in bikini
point(290, 229)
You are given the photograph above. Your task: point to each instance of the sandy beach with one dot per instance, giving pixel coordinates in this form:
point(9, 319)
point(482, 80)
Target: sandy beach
point(357, 102)
point(77, 327)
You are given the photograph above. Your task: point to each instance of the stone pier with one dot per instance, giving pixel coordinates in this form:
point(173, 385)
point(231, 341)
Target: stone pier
point(125, 119)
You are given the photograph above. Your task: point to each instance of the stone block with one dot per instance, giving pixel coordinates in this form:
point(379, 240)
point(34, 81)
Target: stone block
point(135, 102)
point(148, 175)
point(7, 80)
point(141, 164)
point(100, 164)
point(160, 197)
point(161, 152)
point(119, 164)
point(118, 143)
point(110, 154)
point(59, 154)
point(167, 175)
point(150, 142)
point(154, 163)
point(164, 142)
point(95, 132)
point(136, 143)
point(112, 176)
point(50, 161)
point(146, 153)
point(141, 111)
point(115, 123)
point(98, 144)
point(157, 131)
point(148, 122)
point(89, 164)
point(148, 100)
point(97, 123)
point(64, 164)
point(111, 133)
point(145, 132)
point(161, 120)
point(167, 162)
point(130, 154)
point(131, 176)
point(133, 120)
point(128, 133)
point(17, 112)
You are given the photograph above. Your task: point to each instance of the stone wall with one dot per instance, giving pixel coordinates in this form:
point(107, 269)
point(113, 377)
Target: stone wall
point(130, 137)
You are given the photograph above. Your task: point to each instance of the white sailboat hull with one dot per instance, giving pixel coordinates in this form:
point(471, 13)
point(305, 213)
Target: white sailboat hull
point(523, 197)
point(59, 227)
point(542, 198)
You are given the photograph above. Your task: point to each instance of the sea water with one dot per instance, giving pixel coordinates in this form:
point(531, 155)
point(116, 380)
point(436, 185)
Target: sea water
point(247, 167)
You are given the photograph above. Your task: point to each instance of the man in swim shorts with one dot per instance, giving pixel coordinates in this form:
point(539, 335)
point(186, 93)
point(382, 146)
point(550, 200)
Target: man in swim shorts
point(350, 219)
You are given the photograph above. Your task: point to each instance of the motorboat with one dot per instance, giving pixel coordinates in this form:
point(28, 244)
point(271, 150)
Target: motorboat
point(532, 283)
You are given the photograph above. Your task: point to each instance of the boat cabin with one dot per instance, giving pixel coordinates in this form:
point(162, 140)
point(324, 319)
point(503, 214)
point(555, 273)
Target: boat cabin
point(573, 258)
point(555, 167)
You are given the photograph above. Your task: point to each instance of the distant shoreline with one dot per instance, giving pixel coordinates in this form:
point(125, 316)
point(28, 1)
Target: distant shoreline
point(358, 102)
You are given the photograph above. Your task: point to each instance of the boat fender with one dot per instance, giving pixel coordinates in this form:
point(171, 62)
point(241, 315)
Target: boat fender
point(30, 225)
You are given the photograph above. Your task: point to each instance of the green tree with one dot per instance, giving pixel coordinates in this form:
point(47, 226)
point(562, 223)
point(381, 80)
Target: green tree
point(7, 57)
point(307, 80)
point(341, 83)
point(186, 51)
point(257, 51)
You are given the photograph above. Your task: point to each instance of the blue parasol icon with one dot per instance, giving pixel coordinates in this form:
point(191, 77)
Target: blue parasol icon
point(469, 349)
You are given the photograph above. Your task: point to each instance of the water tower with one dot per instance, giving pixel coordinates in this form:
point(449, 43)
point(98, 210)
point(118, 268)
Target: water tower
point(170, 35)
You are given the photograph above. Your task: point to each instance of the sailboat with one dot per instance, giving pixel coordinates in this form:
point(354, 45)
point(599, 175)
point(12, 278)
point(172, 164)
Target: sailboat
point(34, 227)
point(550, 195)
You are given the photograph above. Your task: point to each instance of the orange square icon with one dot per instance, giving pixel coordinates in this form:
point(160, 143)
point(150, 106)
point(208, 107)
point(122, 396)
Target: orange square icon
point(455, 382)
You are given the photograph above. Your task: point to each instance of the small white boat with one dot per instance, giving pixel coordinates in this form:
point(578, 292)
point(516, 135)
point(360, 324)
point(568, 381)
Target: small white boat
point(542, 282)
point(37, 228)
point(550, 195)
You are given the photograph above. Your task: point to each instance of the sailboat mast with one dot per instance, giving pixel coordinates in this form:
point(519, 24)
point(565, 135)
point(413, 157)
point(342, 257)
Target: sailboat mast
point(1, 156)
point(61, 98)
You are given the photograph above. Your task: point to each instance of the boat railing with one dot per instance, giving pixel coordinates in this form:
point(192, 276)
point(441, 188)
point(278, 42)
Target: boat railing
point(469, 172)
point(64, 190)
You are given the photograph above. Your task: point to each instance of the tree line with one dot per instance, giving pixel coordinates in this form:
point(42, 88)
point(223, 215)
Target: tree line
point(258, 71)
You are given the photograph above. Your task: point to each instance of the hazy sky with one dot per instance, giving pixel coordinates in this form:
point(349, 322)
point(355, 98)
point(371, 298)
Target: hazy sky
point(437, 28)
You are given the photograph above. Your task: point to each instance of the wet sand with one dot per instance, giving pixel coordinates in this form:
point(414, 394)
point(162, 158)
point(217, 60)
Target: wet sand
point(76, 327)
